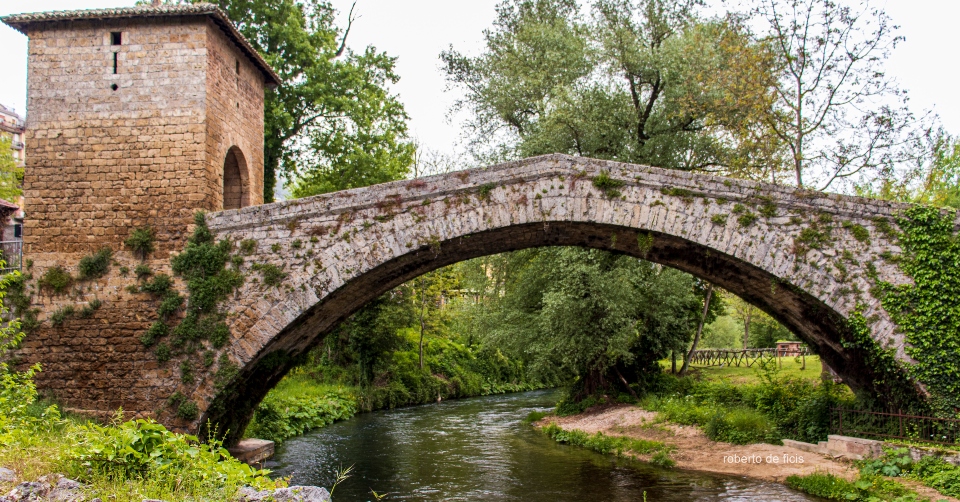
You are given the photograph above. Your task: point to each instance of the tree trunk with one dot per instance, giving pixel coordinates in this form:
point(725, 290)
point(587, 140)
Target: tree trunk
point(696, 339)
point(423, 308)
point(673, 362)
point(746, 328)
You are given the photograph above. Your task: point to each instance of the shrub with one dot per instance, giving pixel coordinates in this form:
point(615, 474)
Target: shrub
point(609, 186)
point(56, 279)
point(271, 275)
point(140, 242)
point(163, 353)
point(156, 330)
point(159, 285)
point(96, 265)
point(747, 219)
point(170, 304)
point(938, 474)
point(740, 426)
point(248, 246)
point(142, 271)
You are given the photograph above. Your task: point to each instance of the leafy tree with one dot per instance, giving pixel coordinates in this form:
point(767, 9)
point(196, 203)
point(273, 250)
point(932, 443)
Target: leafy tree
point(941, 183)
point(601, 319)
point(11, 174)
point(332, 124)
point(837, 112)
point(368, 337)
point(431, 292)
point(643, 81)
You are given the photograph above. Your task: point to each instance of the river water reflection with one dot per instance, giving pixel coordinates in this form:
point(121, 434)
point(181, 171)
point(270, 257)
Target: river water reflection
point(477, 449)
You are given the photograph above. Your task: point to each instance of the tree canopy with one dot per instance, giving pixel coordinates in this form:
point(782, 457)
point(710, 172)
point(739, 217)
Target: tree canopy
point(645, 81)
point(602, 320)
point(332, 124)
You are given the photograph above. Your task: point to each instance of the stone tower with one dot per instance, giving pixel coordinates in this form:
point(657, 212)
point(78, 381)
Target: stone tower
point(137, 117)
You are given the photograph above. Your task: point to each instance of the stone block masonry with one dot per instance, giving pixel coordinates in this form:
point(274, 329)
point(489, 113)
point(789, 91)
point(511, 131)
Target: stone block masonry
point(134, 114)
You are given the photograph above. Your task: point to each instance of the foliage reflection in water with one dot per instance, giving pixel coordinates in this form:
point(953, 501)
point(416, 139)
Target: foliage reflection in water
point(477, 449)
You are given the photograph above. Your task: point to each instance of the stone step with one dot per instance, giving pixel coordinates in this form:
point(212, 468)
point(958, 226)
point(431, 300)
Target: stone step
point(252, 451)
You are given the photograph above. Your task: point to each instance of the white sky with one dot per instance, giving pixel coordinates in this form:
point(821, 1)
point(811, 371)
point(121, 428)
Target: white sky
point(417, 30)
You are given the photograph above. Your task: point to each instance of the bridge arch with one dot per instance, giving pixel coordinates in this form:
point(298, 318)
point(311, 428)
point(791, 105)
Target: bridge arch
point(344, 249)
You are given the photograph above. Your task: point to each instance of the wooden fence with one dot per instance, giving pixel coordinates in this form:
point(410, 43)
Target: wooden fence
point(740, 357)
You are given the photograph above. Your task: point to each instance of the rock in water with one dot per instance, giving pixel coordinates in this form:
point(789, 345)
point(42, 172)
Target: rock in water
point(291, 494)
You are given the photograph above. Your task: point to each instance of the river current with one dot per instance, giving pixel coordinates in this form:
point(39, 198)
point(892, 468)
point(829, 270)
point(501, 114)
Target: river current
point(478, 449)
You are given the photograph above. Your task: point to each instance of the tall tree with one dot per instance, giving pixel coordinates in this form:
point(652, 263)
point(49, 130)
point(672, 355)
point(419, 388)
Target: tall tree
point(836, 110)
point(332, 124)
point(603, 320)
point(640, 81)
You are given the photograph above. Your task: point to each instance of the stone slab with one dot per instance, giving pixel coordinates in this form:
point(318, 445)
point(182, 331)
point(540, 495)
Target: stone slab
point(252, 451)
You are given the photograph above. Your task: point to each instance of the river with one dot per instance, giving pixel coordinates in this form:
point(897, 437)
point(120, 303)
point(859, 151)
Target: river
point(478, 449)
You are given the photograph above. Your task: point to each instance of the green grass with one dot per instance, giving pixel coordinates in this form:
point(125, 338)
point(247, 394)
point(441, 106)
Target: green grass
point(865, 488)
point(746, 405)
point(125, 461)
point(602, 443)
point(744, 375)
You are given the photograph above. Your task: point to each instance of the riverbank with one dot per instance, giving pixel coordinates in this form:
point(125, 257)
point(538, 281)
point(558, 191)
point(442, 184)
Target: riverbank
point(692, 450)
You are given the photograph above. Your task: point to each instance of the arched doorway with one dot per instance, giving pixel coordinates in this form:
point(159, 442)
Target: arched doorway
point(235, 181)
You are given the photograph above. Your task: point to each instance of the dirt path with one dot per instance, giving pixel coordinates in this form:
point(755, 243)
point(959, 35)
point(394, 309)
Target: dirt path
point(694, 451)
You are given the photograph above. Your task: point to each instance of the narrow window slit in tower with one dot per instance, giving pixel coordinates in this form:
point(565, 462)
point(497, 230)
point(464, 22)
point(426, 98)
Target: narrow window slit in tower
point(238, 67)
point(114, 63)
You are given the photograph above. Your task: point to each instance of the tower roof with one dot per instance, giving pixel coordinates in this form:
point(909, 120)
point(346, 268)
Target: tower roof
point(21, 22)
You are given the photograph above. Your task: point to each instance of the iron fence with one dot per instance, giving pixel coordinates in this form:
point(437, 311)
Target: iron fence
point(11, 252)
point(894, 425)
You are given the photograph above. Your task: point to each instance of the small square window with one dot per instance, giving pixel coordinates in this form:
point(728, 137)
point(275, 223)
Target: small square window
point(115, 38)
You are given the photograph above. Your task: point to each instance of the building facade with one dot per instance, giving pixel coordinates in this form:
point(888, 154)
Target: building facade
point(12, 126)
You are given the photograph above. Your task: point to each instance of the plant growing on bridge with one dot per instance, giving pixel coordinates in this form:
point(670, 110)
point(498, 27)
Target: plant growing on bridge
point(140, 242)
point(96, 265)
point(927, 311)
point(609, 186)
point(271, 275)
point(203, 266)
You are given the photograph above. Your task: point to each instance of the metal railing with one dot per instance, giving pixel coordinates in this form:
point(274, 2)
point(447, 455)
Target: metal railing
point(740, 357)
point(894, 425)
point(11, 252)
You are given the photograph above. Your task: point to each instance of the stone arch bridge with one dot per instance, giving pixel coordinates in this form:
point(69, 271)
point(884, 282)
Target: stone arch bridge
point(801, 256)
point(809, 259)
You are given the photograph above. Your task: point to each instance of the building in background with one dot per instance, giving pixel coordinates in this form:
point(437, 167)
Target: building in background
point(11, 212)
point(12, 126)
